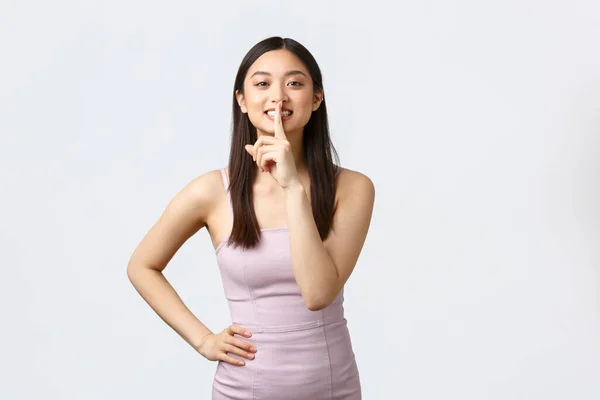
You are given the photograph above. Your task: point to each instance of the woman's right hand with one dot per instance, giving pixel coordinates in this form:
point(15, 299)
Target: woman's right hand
point(216, 346)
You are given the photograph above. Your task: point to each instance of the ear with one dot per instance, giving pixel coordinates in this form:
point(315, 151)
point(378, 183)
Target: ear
point(317, 100)
point(241, 101)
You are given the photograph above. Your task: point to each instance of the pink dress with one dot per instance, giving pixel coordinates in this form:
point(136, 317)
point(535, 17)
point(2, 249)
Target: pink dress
point(301, 354)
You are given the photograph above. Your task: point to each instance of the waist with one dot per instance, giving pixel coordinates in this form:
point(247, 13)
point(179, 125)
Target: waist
point(288, 328)
point(284, 318)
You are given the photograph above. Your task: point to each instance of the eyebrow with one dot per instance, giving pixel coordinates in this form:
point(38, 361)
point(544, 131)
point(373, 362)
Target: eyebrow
point(293, 72)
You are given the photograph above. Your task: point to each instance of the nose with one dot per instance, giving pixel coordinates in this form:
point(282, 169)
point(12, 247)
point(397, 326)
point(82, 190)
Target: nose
point(278, 94)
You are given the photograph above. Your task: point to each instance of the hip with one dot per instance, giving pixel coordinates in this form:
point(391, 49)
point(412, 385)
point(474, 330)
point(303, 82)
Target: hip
point(312, 363)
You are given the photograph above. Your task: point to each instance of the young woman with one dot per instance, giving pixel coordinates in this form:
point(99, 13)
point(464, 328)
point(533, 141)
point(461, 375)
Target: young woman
point(287, 224)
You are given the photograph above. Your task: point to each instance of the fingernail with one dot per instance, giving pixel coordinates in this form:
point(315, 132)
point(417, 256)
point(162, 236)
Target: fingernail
point(247, 333)
point(252, 348)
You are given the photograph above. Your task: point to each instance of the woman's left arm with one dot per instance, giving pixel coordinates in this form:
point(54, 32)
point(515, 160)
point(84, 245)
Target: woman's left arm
point(321, 267)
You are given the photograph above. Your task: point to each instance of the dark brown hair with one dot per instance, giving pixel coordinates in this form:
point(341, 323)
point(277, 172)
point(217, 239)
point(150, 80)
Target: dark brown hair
point(319, 152)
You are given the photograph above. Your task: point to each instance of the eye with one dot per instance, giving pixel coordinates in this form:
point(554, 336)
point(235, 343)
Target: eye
point(295, 83)
point(261, 84)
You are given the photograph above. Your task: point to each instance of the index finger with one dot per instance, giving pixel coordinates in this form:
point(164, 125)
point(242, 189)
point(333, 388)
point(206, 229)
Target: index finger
point(278, 124)
point(239, 330)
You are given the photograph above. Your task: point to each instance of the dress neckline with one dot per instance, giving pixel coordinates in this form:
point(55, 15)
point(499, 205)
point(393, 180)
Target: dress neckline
point(276, 229)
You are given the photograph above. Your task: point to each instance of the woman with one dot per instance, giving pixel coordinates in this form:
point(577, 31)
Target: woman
point(287, 225)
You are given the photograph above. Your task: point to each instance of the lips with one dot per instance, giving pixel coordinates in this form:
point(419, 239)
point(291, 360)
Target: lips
point(284, 112)
point(283, 109)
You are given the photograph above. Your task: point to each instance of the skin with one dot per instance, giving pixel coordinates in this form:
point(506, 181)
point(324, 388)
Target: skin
point(281, 197)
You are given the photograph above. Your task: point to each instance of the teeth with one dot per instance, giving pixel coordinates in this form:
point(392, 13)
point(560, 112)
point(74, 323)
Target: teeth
point(283, 113)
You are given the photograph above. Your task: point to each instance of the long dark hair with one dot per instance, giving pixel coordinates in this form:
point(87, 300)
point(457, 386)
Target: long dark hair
point(319, 152)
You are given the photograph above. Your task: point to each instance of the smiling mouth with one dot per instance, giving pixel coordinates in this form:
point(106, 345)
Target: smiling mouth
point(283, 113)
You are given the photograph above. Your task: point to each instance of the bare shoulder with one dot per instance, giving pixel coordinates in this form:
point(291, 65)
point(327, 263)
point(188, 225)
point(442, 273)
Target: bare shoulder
point(186, 213)
point(197, 198)
point(354, 182)
point(204, 191)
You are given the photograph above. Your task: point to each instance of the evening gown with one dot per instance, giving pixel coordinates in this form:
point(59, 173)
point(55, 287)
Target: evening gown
point(301, 354)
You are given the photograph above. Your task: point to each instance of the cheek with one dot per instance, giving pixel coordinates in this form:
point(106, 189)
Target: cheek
point(250, 96)
point(256, 113)
point(306, 101)
point(304, 107)
point(306, 114)
point(256, 117)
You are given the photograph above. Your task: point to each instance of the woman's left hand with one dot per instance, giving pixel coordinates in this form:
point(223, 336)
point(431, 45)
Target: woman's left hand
point(273, 154)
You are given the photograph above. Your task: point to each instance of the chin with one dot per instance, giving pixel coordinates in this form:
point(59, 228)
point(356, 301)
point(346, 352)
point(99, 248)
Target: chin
point(270, 131)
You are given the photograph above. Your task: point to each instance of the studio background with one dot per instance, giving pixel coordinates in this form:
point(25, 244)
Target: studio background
point(478, 122)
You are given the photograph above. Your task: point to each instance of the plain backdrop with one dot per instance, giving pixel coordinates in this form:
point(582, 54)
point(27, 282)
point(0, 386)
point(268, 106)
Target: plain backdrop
point(479, 123)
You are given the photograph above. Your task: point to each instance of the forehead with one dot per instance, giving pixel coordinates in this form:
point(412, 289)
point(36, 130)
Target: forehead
point(277, 62)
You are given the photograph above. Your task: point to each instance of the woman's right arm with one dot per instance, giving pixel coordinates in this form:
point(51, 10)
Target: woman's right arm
point(185, 214)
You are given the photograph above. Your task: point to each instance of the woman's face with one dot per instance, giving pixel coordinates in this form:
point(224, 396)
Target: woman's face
point(278, 75)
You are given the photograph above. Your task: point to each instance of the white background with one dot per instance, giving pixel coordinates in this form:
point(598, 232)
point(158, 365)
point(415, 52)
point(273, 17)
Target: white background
point(478, 122)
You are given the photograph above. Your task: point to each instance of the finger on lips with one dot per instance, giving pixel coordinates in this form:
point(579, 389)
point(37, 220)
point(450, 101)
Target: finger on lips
point(256, 150)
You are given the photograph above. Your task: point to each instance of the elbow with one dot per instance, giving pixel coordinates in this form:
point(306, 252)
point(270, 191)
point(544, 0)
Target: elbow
point(316, 304)
point(133, 272)
point(132, 266)
point(319, 301)
point(138, 272)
